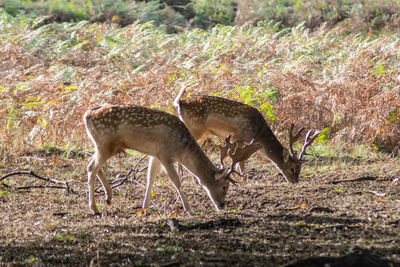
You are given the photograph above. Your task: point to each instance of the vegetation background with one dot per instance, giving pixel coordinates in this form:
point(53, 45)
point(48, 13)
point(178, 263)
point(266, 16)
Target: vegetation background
point(322, 64)
point(331, 65)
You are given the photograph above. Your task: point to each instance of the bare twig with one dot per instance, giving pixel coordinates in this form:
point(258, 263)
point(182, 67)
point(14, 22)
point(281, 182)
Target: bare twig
point(31, 173)
point(39, 186)
point(363, 178)
point(120, 181)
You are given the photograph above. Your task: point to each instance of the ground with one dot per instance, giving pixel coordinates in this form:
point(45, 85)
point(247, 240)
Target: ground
point(267, 221)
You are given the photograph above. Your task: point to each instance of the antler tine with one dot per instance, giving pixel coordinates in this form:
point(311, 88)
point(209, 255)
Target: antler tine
point(238, 151)
point(242, 152)
point(234, 162)
point(231, 171)
point(293, 138)
point(225, 148)
point(308, 141)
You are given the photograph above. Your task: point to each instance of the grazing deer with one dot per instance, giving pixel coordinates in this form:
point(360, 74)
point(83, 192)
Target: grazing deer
point(162, 136)
point(208, 115)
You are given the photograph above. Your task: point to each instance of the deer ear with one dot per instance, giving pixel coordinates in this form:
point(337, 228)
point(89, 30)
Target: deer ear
point(286, 155)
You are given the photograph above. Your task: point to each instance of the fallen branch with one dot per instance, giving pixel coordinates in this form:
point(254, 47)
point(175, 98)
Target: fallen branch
point(39, 186)
point(120, 181)
point(363, 178)
point(31, 173)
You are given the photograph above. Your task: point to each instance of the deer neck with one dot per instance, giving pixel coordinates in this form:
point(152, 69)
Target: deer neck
point(273, 149)
point(199, 165)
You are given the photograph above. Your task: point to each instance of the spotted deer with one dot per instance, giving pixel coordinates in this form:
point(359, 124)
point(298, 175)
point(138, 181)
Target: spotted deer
point(208, 115)
point(162, 136)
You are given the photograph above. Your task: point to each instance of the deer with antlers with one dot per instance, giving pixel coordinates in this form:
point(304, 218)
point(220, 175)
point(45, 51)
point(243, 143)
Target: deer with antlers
point(208, 115)
point(162, 136)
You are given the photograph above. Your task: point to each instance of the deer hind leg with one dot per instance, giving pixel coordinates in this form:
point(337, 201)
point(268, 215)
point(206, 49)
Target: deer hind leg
point(106, 186)
point(173, 175)
point(94, 171)
point(153, 168)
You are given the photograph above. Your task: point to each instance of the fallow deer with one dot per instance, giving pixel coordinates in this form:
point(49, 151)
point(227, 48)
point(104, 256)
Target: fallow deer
point(208, 115)
point(162, 136)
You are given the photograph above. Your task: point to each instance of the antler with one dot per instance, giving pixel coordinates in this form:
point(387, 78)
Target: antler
point(294, 138)
point(243, 152)
point(308, 141)
point(224, 151)
point(225, 148)
point(238, 151)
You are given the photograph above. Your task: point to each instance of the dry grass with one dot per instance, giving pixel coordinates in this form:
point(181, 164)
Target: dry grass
point(50, 75)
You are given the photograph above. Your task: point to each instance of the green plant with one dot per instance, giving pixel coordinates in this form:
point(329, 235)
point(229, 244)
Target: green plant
point(64, 237)
point(323, 137)
point(211, 12)
point(291, 76)
point(169, 249)
point(262, 100)
point(301, 223)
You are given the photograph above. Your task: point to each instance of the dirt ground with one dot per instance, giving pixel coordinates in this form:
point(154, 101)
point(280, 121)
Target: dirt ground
point(267, 222)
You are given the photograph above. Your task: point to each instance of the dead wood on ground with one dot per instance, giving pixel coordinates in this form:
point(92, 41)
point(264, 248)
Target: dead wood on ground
point(31, 173)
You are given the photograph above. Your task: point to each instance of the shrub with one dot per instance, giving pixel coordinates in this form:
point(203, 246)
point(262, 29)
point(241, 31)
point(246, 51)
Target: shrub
point(328, 78)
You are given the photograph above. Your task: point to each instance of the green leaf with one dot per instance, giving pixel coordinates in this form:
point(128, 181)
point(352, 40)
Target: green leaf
point(301, 223)
point(337, 191)
point(379, 70)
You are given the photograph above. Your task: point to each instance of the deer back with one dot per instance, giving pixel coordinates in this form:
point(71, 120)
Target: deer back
point(145, 130)
point(208, 115)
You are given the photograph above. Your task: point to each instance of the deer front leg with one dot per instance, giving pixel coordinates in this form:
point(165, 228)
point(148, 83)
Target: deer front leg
point(153, 169)
point(169, 167)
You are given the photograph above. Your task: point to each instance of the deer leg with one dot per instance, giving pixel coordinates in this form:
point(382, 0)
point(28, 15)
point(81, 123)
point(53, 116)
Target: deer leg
point(153, 169)
point(177, 184)
point(93, 169)
point(106, 186)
